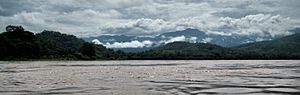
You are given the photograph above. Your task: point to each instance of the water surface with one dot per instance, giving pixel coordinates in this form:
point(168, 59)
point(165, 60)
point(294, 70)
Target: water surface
point(251, 77)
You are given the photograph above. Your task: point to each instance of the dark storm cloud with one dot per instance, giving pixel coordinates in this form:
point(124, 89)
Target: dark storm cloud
point(148, 17)
point(11, 7)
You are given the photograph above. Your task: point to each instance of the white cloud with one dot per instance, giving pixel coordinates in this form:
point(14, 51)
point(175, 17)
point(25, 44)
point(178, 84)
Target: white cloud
point(146, 43)
point(179, 39)
point(132, 44)
point(176, 39)
point(96, 41)
point(206, 40)
point(193, 39)
point(260, 24)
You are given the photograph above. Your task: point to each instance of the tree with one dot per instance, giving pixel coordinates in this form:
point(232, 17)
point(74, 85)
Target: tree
point(88, 49)
point(11, 28)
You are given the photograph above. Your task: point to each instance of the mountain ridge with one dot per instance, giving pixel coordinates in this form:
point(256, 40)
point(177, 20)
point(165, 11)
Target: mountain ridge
point(188, 35)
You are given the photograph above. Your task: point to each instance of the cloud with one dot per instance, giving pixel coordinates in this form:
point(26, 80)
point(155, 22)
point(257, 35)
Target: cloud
point(96, 41)
point(146, 43)
point(193, 39)
point(206, 40)
point(179, 39)
point(132, 44)
point(137, 27)
point(151, 17)
point(260, 24)
point(176, 39)
point(11, 7)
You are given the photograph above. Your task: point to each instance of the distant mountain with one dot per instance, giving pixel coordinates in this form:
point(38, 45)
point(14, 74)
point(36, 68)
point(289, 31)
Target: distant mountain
point(286, 45)
point(283, 48)
point(187, 35)
point(222, 40)
point(296, 30)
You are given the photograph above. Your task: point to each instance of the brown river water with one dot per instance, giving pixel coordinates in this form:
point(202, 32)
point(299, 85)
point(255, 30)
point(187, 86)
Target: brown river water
point(180, 77)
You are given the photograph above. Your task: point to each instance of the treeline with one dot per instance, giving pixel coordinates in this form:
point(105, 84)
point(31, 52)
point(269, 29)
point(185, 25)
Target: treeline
point(283, 48)
point(201, 51)
point(18, 44)
point(192, 51)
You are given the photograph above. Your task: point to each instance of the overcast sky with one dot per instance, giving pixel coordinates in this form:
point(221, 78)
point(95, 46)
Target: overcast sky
point(149, 17)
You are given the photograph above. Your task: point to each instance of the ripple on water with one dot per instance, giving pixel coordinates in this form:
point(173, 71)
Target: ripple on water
point(292, 90)
point(119, 65)
point(230, 90)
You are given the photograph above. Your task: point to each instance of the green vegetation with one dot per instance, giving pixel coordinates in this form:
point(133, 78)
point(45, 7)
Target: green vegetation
point(18, 44)
point(284, 48)
point(188, 51)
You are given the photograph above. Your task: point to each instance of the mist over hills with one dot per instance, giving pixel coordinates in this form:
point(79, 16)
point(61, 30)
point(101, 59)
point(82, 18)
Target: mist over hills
point(283, 48)
point(142, 43)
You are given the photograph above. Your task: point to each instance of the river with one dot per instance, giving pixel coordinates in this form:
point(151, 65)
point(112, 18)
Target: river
point(161, 77)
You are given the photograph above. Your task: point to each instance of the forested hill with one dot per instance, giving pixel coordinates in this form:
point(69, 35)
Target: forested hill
point(18, 44)
point(185, 50)
point(286, 47)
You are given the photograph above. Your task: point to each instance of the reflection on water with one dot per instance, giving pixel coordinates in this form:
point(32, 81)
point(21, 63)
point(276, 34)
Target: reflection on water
point(150, 77)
